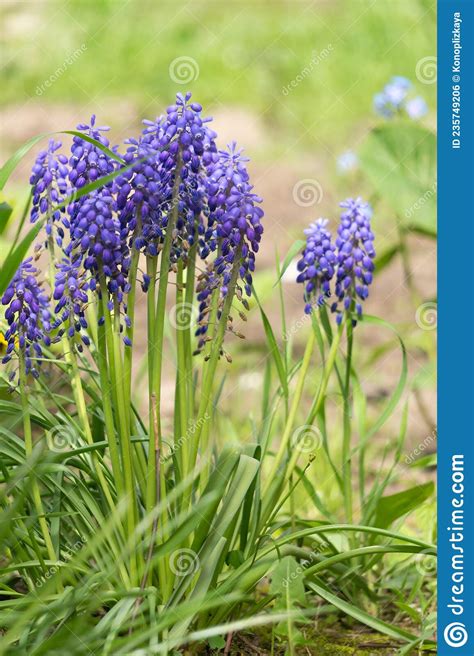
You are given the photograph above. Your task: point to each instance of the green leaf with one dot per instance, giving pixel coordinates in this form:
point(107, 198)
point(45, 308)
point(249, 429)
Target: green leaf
point(385, 257)
point(273, 347)
point(400, 161)
point(16, 256)
point(361, 616)
point(9, 166)
point(216, 642)
point(287, 584)
point(293, 251)
point(430, 460)
point(394, 506)
point(288, 587)
point(5, 213)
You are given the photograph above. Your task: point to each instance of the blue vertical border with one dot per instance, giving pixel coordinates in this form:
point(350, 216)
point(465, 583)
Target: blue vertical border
point(456, 327)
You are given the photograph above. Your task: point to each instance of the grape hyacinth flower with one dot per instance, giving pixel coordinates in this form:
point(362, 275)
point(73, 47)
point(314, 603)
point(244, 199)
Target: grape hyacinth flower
point(178, 143)
point(70, 292)
point(354, 257)
point(234, 230)
point(99, 240)
point(28, 317)
point(49, 181)
point(87, 161)
point(316, 265)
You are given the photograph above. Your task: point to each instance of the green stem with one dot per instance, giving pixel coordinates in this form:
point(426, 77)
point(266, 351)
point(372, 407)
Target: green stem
point(116, 377)
point(284, 442)
point(181, 313)
point(106, 390)
point(296, 400)
point(155, 344)
point(28, 452)
point(128, 355)
point(216, 346)
point(189, 301)
point(346, 441)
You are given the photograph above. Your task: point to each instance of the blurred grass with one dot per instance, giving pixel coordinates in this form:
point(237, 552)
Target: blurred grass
point(246, 54)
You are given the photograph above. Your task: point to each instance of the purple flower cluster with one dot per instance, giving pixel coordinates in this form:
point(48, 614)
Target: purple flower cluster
point(355, 254)
point(172, 172)
point(28, 316)
point(87, 161)
point(234, 229)
point(50, 187)
point(316, 266)
point(70, 292)
point(169, 158)
point(349, 261)
point(394, 99)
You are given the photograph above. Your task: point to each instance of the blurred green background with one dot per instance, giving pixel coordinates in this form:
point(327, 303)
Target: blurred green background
point(115, 58)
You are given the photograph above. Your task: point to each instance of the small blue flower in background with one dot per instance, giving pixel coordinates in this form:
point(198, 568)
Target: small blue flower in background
point(416, 108)
point(316, 266)
point(28, 316)
point(355, 254)
point(396, 90)
point(395, 99)
point(347, 162)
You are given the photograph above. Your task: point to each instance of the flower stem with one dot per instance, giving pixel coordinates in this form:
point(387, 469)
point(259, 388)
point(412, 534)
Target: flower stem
point(116, 378)
point(181, 314)
point(28, 452)
point(216, 346)
point(346, 440)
